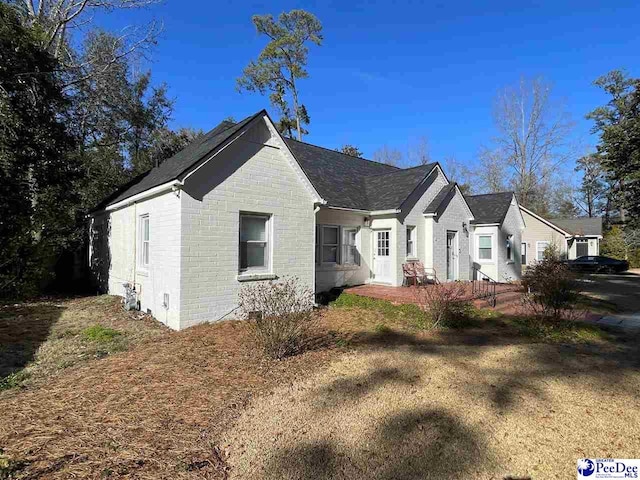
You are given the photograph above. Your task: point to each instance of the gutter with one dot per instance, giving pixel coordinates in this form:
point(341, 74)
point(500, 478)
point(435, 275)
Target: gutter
point(173, 185)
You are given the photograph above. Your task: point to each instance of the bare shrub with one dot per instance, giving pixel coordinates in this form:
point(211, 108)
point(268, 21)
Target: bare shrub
point(280, 314)
point(444, 305)
point(551, 289)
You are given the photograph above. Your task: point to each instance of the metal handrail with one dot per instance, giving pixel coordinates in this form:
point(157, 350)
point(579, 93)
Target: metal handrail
point(484, 288)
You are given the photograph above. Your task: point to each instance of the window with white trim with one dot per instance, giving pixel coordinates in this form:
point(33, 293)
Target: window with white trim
point(509, 248)
point(411, 241)
point(144, 235)
point(540, 248)
point(330, 244)
point(523, 253)
point(485, 247)
point(254, 242)
point(349, 247)
point(337, 245)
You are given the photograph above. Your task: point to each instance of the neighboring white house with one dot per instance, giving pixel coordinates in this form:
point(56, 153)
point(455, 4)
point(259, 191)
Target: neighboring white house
point(243, 204)
point(574, 237)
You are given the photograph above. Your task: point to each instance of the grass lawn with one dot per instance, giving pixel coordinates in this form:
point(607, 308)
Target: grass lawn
point(378, 397)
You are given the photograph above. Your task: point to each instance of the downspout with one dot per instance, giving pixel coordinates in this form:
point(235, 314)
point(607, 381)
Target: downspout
point(135, 240)
point(315, 252)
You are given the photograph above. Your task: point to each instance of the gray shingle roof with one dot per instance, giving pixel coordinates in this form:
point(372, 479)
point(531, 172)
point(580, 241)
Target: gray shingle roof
point(352, 182)
point(490, 207)
point(579, 226)
point(440, 198)
point(341, 180)
point(175, 167)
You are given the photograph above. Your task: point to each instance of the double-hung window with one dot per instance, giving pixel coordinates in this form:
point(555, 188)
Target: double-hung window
point(485, 250)
point(349, 247)
point(144, 244)
point(330, 244)
point(509, 248)
point(254, 242)
point(523, 253)
point(540, 248)
point(411, 241)
point(337, 245)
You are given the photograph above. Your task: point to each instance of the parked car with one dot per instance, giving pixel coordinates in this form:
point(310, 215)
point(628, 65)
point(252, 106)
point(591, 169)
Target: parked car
point(598, 264)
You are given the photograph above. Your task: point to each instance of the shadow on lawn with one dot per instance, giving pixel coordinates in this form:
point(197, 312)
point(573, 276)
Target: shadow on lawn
point(406, 446)
point(425, 443)
point(23, 329)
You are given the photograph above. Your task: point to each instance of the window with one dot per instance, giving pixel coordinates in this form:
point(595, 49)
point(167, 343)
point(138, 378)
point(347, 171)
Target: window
point(349, 248)
point(484, 247)
point(411, 241)
point(383, 243)
point(540, 248)
point(582, 247)
point(337, 245)
point(254, 242)
point(143, 245)
point(330, 242)
point(523, 253)
point(509, 248)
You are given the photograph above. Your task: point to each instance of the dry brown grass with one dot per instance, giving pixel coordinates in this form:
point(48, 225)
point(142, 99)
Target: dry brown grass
point(450, 404)
point(151, 412)
point(40, 338)
point(391, 402)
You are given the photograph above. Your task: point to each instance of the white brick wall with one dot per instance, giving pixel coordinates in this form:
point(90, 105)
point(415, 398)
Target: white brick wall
point(248, 176)
point(508, 271)
point(451, 219)
point(424, 242)
point(120, 253)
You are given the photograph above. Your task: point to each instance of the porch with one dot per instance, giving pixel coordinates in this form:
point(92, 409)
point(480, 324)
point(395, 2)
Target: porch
point(508, 295)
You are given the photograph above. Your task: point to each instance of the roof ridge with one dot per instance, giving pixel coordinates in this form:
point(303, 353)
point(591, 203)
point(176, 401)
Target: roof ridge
point(400, 170)
point(345, 154)
point(495, 193)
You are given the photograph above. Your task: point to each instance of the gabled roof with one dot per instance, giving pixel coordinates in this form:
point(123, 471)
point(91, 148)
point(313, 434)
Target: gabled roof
point(490, 207)
point(354, 182)
point(439, 198)
point(340, 180)
point(390, 190)
point(175, 167)
point(580, 226)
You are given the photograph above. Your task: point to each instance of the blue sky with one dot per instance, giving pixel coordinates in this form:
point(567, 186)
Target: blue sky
point(388, 73)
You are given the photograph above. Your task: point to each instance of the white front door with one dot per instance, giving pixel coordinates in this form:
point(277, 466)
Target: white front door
point(452, 255)
point(382, 267)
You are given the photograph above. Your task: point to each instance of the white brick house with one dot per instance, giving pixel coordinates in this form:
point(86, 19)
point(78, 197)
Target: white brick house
point(243, 204)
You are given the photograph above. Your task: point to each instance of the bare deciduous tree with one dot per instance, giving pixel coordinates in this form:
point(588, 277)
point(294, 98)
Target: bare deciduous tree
point(458, 172)
point(492, 172)
point(532, 140)
point(56, 19)
point(419, 152)
point(388, 155)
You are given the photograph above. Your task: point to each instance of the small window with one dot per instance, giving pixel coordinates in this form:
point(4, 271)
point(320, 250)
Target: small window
point(349, 249)
point(254, 242)
point(484, 247)
point(144, 251)
point(330, 243)
point(383, 243)
point(509, 248)
point(523, 253)
point(540, 248)
point(411, 241)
